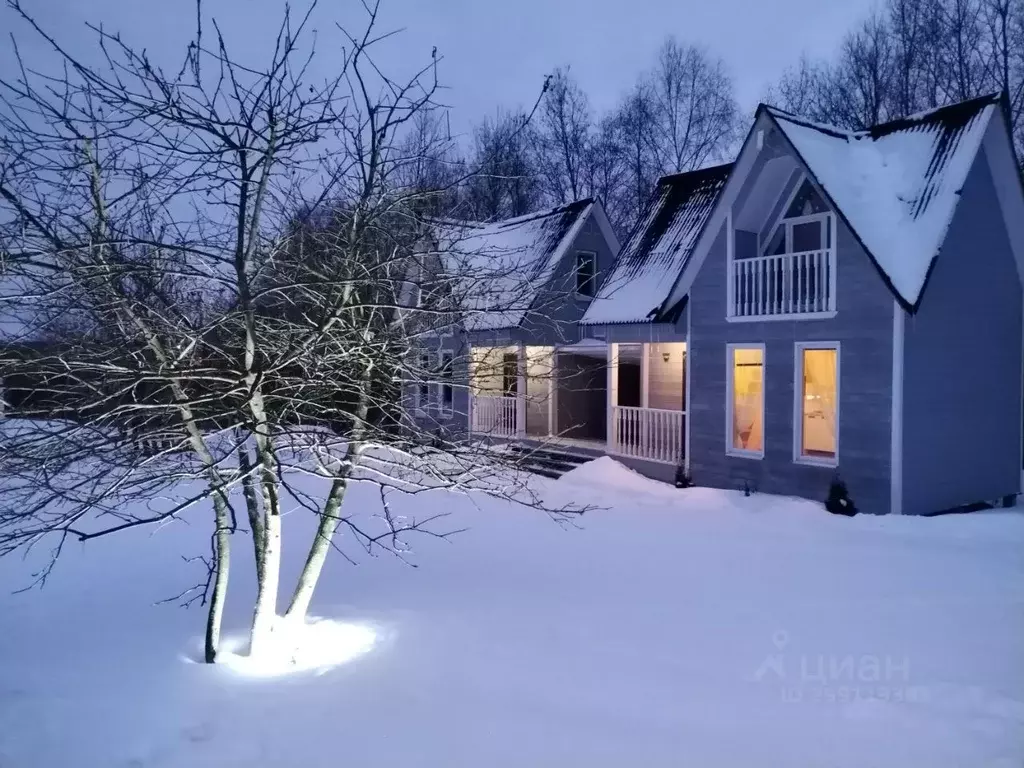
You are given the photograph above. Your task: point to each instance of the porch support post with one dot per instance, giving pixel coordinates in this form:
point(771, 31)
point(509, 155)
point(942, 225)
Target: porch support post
point(470, 388)
point(645, 394)
point(613, 393)
point(553, 393)
point(521, 391)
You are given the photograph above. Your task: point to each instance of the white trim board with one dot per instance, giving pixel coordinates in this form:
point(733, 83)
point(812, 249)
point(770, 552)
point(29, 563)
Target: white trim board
point(896, 417)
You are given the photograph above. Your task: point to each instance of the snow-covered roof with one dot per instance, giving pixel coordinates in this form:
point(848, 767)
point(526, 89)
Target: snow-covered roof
point(658, 248)
point(896, 184)
point(502, 266)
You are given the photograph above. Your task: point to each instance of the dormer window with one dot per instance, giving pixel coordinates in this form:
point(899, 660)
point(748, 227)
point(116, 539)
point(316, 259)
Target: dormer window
point(586, 273)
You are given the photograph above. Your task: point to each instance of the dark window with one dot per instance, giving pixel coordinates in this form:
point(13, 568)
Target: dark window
point(423, 384)
point(510, 374)
point(586, 273)
point(807, 236)
point(447, 384)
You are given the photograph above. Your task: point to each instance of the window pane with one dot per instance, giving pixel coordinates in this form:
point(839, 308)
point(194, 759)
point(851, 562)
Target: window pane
point(807, 236)
point(806, 202)
point(747, 399)
point(447, 390)
point(818, 427)
point(585, 271)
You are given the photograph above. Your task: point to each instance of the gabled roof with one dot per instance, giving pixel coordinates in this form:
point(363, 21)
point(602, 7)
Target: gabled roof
point(502, 266)
point(658, 248)
point(896, 184)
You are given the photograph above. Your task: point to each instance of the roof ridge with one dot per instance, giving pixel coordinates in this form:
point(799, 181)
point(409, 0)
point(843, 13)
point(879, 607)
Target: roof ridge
point(967, 108)
point(709, 170)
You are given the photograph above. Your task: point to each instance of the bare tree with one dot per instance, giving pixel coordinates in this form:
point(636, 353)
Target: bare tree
point(206, 296)
point(694, 110)
point(632, 131)
point(913, 55)
point(504, 180)
point(564, 132)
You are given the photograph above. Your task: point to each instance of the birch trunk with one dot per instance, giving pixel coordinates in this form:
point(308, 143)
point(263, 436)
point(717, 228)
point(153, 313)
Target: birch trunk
point(222, 563)
point(329, 521)
point(268, 561)
point(265, 613)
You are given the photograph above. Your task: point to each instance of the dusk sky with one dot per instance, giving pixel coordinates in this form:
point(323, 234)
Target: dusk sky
point(495, 54)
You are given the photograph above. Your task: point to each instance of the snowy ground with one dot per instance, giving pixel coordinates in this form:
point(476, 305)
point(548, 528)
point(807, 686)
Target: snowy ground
point(689, 627)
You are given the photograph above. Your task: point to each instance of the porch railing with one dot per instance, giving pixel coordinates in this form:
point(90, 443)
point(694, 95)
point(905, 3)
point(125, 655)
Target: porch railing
point(648, 433)
point(496, 416)
point(786, 284)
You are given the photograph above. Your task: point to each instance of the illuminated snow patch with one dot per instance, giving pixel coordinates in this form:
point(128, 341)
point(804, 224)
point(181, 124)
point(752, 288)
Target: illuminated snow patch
point(293, 647)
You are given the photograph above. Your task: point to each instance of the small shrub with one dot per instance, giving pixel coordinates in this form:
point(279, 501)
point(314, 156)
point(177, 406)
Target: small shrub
point(682, 480)
point(838, 501)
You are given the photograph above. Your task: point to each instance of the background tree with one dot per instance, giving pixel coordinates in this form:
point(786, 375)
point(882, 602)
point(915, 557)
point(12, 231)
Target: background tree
point(564, 132)
point(505, 180)
point(913, 55)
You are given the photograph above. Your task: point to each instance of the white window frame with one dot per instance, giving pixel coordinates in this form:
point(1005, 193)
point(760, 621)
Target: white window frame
point(446, 411)
point(593, 276)
point(730, 449)
point(421, 404)
point(798, 406)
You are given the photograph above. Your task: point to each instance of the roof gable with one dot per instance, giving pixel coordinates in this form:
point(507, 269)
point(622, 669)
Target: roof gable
point(500, 267)
point(896, 185)
point(658, 248)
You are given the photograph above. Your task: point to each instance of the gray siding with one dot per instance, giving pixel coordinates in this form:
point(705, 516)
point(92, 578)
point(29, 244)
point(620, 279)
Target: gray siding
point(432, 418)
point(862, 325)
point(557, 310)
point(962, 364)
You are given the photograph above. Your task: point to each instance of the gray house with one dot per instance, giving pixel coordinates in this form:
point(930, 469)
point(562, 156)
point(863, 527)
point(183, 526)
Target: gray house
point(511, 364)
point(833, 303)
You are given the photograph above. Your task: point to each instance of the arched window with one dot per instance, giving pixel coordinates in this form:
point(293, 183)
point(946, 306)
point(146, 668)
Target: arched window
point(806, 226)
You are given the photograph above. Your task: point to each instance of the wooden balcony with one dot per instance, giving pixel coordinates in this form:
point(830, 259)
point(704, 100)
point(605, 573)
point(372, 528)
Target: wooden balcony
point(783, 287)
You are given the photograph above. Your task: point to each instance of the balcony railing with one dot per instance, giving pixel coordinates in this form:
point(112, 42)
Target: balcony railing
point(648, 433)
point(784, 285)
point(495, 416)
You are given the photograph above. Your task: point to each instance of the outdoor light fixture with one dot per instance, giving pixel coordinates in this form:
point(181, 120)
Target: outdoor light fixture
point(665, 356)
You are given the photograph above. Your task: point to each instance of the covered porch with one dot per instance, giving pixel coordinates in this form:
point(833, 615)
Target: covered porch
point(622, 399)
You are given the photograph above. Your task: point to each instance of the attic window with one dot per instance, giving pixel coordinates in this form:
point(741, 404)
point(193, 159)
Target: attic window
point(807, 226)
point(806, 202)
point(586, 273)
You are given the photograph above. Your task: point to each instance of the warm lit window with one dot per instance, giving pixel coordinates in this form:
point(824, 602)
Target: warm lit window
point(817, 388)
point(586, 273)
point(746, 399)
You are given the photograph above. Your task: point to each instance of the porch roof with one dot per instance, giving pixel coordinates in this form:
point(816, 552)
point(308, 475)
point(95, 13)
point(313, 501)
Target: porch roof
point(658, 248)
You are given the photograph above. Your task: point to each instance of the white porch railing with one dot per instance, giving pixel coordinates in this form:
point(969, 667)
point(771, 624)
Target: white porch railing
point(784, 285)
point(496, 416)
point(648, 433)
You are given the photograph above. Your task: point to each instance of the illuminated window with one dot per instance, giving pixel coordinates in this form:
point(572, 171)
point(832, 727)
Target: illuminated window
point(817, 404)
point(745, 404)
